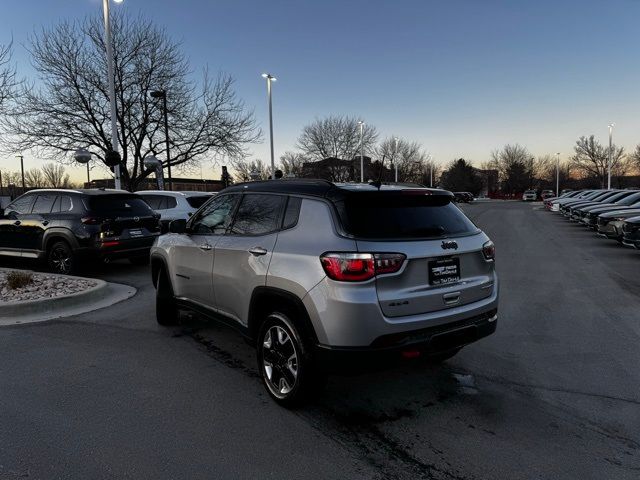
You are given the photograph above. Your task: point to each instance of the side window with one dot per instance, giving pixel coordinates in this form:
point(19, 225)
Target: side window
point(21, 205)
point(153, 201)
point(216, 217)
point(258, 214)
point(65, 203)
point(44, 203)
point(171, 202)
point(292, 213)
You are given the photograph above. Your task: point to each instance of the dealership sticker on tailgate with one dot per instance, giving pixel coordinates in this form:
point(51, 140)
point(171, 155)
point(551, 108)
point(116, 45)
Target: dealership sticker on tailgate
point(135, 233)
point(444, 270)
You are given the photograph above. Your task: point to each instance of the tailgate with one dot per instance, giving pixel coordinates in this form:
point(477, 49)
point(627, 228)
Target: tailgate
point(433, 278)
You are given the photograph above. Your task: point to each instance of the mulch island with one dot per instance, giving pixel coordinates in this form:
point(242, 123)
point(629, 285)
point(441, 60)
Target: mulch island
point(21, 285)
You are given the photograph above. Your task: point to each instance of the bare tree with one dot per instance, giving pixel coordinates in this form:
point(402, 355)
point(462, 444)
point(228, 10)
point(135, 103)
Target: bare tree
point(591, 159)
point(34, 178)
point(244, 168)
point(55, 175)
point(8, 80)
point(414, 164)
point(515, 166)
point(70, 109)
point(336, 136)
point(291, 163)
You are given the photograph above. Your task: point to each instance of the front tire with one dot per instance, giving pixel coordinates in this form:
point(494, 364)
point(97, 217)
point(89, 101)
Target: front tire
point(167, 313)
point(285, 363)
point(61, 259)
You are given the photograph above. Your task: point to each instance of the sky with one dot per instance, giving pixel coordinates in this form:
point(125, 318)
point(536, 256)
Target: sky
point(462, 77)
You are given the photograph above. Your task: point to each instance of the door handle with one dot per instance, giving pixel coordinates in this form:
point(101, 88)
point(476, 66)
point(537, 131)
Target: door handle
point(205, 246)
point(17, 222)
point(257, 251)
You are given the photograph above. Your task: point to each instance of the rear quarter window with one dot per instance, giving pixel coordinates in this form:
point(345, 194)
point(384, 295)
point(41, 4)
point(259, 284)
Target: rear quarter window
point(197, 201)
point(395, 215)
point(118, 205)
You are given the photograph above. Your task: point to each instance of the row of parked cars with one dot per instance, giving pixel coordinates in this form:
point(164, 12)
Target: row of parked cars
point(68, 228)
point(613, 214)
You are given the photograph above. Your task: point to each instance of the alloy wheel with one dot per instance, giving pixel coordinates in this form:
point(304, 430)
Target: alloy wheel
point(280, 361)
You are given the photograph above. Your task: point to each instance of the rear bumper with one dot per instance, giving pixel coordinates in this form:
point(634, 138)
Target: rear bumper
point(131, 248)
point(390, 350)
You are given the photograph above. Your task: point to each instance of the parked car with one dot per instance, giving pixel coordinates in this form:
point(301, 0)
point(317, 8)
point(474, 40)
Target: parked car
point(68, 227)
point(590, 217)
point(173, 205)
point(323, 277)
point(631, 232)
point(610, 223)
point(579, 212)
point(530, 196)
point(584, 198)
point(465, 197)
point(553, 202)
point(565, 190)
point(547, 194)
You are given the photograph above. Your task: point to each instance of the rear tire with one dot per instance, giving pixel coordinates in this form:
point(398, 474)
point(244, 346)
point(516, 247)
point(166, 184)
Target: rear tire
point(61, 259)
point(286, 363)
point(167, 312)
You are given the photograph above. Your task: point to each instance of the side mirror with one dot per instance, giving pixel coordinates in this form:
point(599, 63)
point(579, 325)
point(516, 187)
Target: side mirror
point(178, 226)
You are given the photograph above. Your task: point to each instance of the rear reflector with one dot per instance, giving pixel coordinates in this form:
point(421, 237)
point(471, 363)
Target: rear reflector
point(410, 354)
point(110, 244)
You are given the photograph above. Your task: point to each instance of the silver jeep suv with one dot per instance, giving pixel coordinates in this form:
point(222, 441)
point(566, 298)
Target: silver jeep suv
point(325, 277)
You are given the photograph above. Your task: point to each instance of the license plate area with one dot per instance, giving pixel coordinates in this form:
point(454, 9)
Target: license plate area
point(135, 233)
point(444, 271)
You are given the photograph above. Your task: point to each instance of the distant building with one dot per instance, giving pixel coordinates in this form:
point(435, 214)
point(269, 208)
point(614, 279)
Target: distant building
point(179, 184)
point(338, 170)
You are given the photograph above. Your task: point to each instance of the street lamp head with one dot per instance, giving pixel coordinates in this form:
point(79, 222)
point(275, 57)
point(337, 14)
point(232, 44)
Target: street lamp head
point(268, 76)
point(118, 1)
point(611, 125)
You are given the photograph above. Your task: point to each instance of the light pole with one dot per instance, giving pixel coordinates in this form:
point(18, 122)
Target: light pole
point(557, 174)
point(163, 95)
point(361, 123)
point(22, 170)
point(611, 125)
point(115, 146)
point(395, 152)
point(270, 78)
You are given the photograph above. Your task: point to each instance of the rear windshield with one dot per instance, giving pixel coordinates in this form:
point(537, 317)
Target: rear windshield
point(119, 205)
point(382, 215)
point(197, 202)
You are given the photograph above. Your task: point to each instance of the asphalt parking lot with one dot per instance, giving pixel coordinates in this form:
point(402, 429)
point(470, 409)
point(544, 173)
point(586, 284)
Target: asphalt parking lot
point(553, 394)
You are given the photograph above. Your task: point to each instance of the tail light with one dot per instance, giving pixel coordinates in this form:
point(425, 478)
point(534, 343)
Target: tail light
point(358, 267)
point(91, 220)
point(489, 250)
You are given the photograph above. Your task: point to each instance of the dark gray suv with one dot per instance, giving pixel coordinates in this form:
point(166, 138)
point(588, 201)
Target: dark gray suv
point(324, 277)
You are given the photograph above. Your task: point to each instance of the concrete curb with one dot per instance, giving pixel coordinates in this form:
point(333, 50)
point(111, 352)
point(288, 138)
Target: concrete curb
point(102, 295)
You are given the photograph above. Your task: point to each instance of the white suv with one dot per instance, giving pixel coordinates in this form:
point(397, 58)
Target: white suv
point(174, 205)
